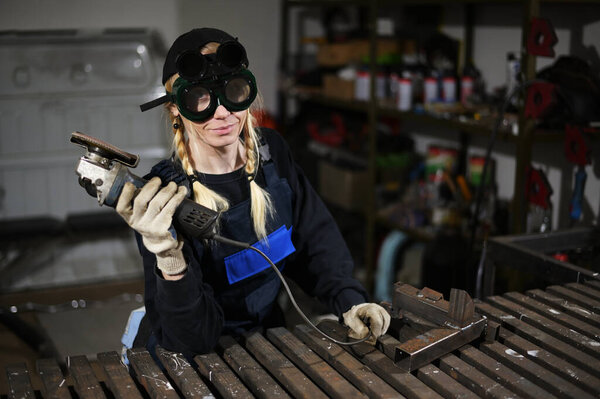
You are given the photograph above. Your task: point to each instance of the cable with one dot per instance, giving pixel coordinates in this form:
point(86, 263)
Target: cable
point(287, 289)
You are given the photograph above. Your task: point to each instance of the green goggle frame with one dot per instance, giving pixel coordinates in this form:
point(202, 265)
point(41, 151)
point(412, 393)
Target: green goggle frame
point(198, 101)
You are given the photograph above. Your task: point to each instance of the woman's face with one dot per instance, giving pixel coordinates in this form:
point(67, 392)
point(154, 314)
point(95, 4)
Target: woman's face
point(223, 129)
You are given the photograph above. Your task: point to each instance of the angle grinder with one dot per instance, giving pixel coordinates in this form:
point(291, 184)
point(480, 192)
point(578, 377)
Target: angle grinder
point(103, 171)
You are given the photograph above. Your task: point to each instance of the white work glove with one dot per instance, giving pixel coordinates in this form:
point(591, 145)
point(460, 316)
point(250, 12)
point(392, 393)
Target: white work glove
point(151, 215)
point(357, 317)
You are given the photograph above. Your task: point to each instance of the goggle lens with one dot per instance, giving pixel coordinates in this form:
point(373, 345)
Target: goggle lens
point(237, 90)
point(196, 99)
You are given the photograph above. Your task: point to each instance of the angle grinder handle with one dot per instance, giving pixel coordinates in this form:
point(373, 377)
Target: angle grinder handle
point(190, 217)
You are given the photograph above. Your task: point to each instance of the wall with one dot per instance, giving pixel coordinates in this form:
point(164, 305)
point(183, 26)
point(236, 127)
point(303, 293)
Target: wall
point(255, 22)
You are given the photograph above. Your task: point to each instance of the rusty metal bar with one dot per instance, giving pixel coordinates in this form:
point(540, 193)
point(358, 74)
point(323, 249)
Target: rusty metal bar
point(383, 366)
point(148, 374)
point(19, 382)
point(118, 378)
point(216, 371)
point(554, 314)
point(183, 374)
point(550, 361)
point(442, 383)
point(350, 367)
point(53, 380)
point(574, 296)
point(546, 341)
point(286, 373)
point(254, 376)
point(569, 308)
point(469, 376)
point(559, 331)
point(312, 365)
point(533, 372)
point(85, 381)
point(585, 290)
point(501, 373)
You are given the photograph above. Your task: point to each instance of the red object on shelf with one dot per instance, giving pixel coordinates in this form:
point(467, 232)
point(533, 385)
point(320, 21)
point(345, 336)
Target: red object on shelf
point(541, 38)
point(540, 96)
point(537, 188)
point(561, 257)
point(576, 149)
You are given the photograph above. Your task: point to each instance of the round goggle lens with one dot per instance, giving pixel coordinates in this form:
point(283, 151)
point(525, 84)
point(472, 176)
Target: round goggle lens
point(237, 90)
point(196, 99)
point(190, 65)
point(231, 54)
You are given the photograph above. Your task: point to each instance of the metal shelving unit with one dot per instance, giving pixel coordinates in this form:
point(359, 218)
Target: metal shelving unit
point(523, 142)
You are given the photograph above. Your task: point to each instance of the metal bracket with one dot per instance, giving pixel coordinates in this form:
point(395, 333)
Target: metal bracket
point(444, 326)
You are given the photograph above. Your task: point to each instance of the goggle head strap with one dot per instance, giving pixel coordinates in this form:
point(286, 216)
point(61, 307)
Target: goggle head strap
point(155, 103)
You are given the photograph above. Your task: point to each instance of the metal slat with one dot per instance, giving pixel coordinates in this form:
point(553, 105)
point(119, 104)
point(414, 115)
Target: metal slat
point(472, 378)
point(312, 365)
point(149, 375)
point(557, 330)
point(53, 381)
point(119, 381)
point(19, 382)
point(215, 369)
point(541, 338)
point(585, 290)
point(447, 386)
point(288, 375)
point(550, 361)
point(533, 372)
point(593, 283)
point(504, 375)
point(85, 382)
point(554, 314)
point(183, 374)
point(576, 297)
point(359, 374)
point(564, 305)
point(254, 376)
point(383, 366)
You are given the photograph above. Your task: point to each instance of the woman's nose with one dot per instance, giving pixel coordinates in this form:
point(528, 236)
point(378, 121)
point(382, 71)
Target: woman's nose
point(221, 111)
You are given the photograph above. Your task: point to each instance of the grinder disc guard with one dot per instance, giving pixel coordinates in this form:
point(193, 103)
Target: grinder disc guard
point(104, 149)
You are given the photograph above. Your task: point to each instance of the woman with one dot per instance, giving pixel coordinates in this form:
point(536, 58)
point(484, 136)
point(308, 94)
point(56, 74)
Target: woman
point(197, 290)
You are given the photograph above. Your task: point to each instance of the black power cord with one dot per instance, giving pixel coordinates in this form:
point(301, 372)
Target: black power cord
point(244, 245)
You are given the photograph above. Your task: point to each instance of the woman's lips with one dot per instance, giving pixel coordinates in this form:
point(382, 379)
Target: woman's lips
point(223, 129)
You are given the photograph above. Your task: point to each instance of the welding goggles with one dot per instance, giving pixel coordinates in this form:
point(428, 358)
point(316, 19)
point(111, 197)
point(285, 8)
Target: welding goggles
point(208, 80)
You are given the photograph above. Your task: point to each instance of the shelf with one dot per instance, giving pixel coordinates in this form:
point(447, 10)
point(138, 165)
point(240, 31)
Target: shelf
point(473, 128)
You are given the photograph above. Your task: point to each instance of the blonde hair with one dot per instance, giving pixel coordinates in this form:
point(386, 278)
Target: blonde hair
point(261, 205)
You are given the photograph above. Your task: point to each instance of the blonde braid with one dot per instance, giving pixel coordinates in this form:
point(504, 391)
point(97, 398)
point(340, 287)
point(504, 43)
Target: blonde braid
point(260, 200)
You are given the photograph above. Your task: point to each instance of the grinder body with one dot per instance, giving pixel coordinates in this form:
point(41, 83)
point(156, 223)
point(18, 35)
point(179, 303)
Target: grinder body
point(102, 173)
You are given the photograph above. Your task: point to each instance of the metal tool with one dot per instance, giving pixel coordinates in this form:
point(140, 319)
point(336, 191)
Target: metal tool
point(540, 98)
point(103, 171)
point(444, 325)
point(541, 38)
point(578, 153)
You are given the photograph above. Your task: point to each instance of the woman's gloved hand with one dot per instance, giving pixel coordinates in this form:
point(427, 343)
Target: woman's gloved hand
point(149, 211)
point(357, 318)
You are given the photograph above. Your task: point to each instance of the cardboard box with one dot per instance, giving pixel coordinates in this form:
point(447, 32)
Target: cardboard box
point(346, 188)
point(340, 54)
point(335, 87)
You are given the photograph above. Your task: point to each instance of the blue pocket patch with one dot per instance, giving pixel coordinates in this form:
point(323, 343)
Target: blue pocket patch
point(248, 262)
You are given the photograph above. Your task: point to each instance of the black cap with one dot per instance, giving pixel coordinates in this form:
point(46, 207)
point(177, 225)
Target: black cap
point(192, 40)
